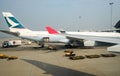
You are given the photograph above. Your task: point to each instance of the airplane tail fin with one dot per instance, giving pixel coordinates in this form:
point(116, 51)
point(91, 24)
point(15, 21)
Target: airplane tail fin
point(51, 30)
point(12, 21)
point(117, 25)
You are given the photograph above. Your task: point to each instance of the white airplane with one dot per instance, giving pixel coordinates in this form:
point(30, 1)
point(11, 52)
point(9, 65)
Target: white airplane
point(99, 38)
point(116, 28)
point(73, 38)
point(17, 29)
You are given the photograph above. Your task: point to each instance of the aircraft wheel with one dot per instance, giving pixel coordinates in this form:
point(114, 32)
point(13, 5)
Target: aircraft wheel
point(42, 45)
point(5, 45)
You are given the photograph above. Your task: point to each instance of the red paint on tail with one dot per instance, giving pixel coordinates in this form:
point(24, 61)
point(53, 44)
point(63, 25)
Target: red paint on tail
point(51, 30)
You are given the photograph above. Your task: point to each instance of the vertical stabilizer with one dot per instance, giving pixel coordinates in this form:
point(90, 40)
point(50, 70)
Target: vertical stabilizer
point(117, 26)
point(51, 30)
point(12, 21)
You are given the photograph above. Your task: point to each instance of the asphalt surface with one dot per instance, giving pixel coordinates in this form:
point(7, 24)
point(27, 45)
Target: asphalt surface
point(43, 62)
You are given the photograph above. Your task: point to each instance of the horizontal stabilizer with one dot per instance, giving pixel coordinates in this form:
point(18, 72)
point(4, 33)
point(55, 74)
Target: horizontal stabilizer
point(8, 32)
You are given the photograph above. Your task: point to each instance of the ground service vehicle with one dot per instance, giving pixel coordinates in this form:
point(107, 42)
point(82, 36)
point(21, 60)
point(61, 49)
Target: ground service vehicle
point(11, 43)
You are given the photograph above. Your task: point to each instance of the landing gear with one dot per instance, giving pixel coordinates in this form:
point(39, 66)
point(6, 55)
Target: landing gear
point(41, 45)
point(68, 46)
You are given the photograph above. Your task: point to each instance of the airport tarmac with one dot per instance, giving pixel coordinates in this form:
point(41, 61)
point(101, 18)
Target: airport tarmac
point(43, 62)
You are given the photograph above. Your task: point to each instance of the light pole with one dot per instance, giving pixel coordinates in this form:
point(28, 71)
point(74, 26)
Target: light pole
point(80, 22)
point(111, 4)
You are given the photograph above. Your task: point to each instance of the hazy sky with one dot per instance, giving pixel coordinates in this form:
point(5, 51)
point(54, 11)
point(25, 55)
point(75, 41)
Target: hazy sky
point(62, 14)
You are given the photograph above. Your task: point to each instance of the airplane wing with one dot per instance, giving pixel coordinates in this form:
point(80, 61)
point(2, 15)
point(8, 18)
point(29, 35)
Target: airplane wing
point(94, 38)
point(8, 32)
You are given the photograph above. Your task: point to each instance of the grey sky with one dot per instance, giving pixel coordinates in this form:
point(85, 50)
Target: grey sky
point(61, 14)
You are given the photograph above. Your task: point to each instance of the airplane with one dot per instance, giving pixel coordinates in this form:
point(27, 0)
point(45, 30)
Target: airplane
point(17, 29)
point(116, 28)
point(70, 38)
point(98, 38)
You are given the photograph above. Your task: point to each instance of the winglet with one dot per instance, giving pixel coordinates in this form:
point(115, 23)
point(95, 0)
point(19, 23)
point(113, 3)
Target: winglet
point(51, 30)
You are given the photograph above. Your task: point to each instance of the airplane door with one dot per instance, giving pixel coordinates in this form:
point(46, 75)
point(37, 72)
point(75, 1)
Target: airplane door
point(46, 39)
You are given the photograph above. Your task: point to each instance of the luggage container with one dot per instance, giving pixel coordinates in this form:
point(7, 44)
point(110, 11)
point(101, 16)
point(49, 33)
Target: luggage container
point(3, 56)
point(76, 57)
point(108, 55)
point(92, 56)
point(12, 57)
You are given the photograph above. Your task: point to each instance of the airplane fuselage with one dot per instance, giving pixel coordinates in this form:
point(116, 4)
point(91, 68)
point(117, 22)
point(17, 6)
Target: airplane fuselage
point(39, 35)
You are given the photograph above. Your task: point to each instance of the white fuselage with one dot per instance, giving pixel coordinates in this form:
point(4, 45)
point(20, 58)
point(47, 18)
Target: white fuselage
point(39, 35)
